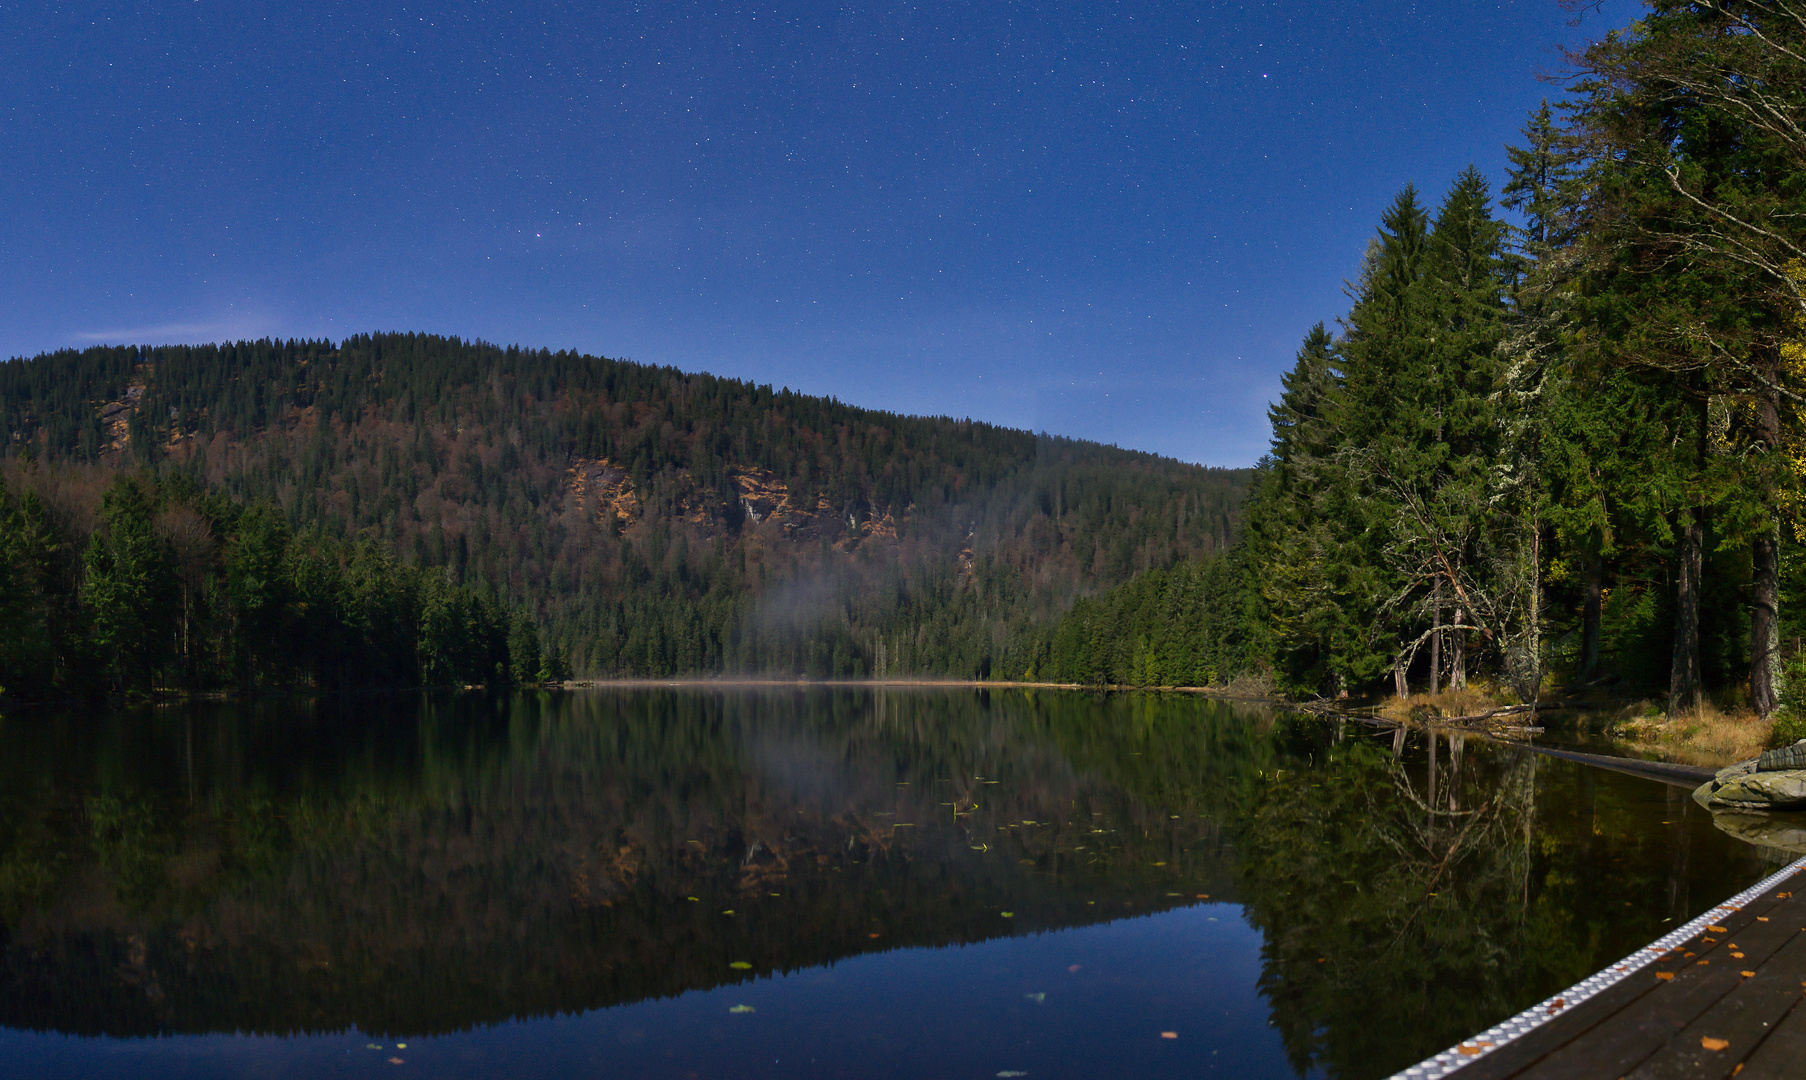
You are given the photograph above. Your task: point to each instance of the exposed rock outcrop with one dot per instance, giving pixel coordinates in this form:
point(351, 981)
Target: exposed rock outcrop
point(1774, 781)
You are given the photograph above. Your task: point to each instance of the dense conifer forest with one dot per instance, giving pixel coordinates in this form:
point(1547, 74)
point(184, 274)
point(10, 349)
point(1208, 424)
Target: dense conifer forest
point(1566, 450)
point(397, 510)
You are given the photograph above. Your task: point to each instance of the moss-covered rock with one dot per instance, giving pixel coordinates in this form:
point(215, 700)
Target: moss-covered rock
point(1754, 790)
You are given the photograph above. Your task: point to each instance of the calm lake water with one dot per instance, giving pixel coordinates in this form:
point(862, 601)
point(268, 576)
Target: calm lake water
point(706, 883)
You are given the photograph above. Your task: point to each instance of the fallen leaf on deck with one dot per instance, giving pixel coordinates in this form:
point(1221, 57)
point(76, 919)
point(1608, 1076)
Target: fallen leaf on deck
point(1710, 1043)
point(1749, 974)
point(740, 965)
point(1762, 918)
point(1664, 974)
point(1689, 955)
point(1716, 929)
point(1736, 956)
point(1169, 1034)
point(1702, 961)
point(1470, 1051)
point(742, 1009)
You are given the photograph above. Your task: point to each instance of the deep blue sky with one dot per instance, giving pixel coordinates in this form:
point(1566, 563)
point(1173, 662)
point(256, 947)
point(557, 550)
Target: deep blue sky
point(1114, 221)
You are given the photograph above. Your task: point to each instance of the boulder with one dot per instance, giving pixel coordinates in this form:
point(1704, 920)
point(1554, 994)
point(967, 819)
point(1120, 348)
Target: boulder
point(1754, 791)
point(1732, 772)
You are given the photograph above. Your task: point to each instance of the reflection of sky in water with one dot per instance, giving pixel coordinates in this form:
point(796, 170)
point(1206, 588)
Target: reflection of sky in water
point(973, 1011)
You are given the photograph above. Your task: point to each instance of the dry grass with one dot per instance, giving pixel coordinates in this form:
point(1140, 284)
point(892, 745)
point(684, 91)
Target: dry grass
point(1472, 700)
point(1712, 736)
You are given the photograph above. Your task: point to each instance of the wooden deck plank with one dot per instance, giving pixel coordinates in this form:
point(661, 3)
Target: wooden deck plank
point(1645, 1017)
point(1781, 1056)
point(1736, 1025)
point(1521, 1054)
point(1703, 975)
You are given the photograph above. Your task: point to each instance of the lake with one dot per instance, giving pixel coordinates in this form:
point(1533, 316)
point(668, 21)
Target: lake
point(703, 882)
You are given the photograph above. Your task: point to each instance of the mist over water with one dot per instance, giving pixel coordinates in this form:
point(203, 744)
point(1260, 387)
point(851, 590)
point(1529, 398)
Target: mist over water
point(802, 882)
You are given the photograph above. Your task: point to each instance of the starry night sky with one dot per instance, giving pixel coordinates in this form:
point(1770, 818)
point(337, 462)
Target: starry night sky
point(1114, 221)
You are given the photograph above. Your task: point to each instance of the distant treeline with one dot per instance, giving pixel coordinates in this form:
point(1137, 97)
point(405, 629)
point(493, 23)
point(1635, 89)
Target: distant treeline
point(169, 588)
point(410, 475)
point(1570, 449)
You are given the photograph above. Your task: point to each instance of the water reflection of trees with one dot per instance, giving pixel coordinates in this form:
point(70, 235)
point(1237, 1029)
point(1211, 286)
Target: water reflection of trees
point(1412, 895)
point(447, 867)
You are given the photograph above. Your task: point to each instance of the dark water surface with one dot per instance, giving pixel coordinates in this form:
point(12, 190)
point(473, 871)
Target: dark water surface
point(703, 883)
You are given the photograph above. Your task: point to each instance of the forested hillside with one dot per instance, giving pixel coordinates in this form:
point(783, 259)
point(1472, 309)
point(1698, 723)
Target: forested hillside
point(397, 509)
point(1569, 449)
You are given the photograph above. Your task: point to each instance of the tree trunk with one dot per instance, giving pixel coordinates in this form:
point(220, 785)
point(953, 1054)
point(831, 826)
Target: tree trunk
point(1765, 560)
point(1399, 686)
point(1765, 599)
point(1683, 679)
point(1589, 618)
point(1458, 657)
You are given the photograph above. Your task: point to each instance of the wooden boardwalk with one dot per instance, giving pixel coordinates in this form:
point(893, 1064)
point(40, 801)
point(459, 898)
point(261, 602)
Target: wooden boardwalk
point(1723, 996)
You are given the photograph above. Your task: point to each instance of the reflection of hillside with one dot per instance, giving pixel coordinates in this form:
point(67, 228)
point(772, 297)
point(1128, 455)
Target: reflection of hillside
point(437, 867)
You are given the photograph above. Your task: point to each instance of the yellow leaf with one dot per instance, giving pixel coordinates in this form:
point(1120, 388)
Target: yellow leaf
point(1710, 1043)
point(1169, 1034)
point(740, 965)
point(742, 1009)
point(1664, 974)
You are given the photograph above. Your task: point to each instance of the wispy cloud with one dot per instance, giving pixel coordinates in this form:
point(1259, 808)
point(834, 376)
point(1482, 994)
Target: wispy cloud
point(234, 327)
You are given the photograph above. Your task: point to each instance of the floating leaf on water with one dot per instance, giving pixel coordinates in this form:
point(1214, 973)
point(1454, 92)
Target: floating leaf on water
point(1036, 998)
point(874, 934)
point(1169, 1034)
point(401, 1046)
point(742, 1009)
point(1012, 1072)
point(1203, 896)
point(1074, 969)
point(693, 899)
point(740, 965)
point(729, 911)
point(1008, 914)
point(1159, 864)
point(1710, 1043)
point(373, 1046)
point(395, 1061)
